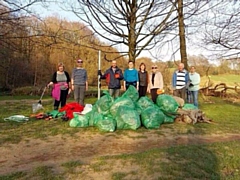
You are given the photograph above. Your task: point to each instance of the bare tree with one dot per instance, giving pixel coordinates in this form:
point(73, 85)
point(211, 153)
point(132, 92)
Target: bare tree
point(218, 29)
point(137, 24)
point(183, 49)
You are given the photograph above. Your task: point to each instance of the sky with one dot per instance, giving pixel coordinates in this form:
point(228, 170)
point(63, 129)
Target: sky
point(54, 9)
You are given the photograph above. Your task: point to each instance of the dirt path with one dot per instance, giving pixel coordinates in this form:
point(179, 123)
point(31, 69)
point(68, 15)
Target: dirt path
point(23, 101)
point(56, 150)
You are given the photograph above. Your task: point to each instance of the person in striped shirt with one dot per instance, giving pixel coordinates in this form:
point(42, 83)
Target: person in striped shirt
point(180, 79)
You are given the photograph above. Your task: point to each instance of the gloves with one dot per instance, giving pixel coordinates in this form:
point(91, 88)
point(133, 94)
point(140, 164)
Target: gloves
point(99, 73)
point(191, 85)
point(116, 75)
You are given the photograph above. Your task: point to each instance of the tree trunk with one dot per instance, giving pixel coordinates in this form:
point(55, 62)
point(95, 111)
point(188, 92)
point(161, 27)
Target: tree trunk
point(183, 50)
point(132, 31)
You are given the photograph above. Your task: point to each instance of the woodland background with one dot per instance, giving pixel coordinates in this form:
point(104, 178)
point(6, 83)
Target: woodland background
point(31, 47)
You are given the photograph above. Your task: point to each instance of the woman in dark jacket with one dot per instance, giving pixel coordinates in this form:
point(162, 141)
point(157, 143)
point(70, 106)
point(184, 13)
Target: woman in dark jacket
point(143, 80)
point(61, 83)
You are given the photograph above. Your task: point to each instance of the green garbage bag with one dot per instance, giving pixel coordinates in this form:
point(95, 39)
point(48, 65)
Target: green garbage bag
point(132, 93)
point(56, 113)
point(167, 103)
point(144, 102)
point(121, 101)
point(152, 117)
point(138, 108)
point(79, 120)
point(94, 117)
point(107, 124)
point(104, 103)
point(189, 106)
point(169, 119)
point(17, 118)
point(127, 118)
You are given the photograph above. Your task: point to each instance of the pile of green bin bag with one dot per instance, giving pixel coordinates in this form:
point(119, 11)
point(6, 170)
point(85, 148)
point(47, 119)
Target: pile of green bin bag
point(169, 106)
point(127, 112)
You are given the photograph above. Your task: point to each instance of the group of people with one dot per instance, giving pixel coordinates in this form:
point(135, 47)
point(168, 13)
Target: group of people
point(63, 84)
point(142, 80)
point(185, 84)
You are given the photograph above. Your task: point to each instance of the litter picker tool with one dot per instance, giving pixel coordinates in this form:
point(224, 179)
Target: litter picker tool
point(37, 106)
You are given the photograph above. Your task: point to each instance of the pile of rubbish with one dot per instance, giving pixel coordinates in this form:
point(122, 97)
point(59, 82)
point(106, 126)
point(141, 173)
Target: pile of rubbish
point(127, 112)
point(65, 113)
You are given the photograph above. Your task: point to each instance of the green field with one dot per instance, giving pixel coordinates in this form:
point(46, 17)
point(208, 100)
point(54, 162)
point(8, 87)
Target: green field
point(229, 79)
point(40, 149)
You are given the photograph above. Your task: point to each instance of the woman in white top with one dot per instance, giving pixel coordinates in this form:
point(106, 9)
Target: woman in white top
point(155, 82)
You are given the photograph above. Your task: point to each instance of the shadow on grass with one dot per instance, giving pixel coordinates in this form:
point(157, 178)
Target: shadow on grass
point(190, 162)
point(193, 160)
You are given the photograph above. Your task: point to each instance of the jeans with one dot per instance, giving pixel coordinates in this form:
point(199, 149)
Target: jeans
point(193, 98)
point(79, 93)
point(114, 92)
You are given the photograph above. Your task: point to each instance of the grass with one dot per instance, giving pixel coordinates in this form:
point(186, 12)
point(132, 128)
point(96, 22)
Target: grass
point(225, 117)
point(72, 164)
point(229, 79)
point(206, 161)
point(13, 176)
point(214, 161)
point(32, 128)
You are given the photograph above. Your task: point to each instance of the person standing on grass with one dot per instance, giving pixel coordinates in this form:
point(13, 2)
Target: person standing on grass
point(193, 86)
point(113, 77)
point(180, 79)
point(143, 80)
point(155, 82)
point(61, 83)
point(130, 77)
point(79, 82)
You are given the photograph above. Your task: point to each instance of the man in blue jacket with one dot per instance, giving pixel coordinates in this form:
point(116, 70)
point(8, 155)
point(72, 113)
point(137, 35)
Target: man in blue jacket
point(180, 80)
point(113, 77)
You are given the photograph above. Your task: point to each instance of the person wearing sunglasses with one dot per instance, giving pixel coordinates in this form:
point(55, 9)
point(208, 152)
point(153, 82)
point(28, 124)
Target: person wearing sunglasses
point(79, 82)
point(155, 82)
